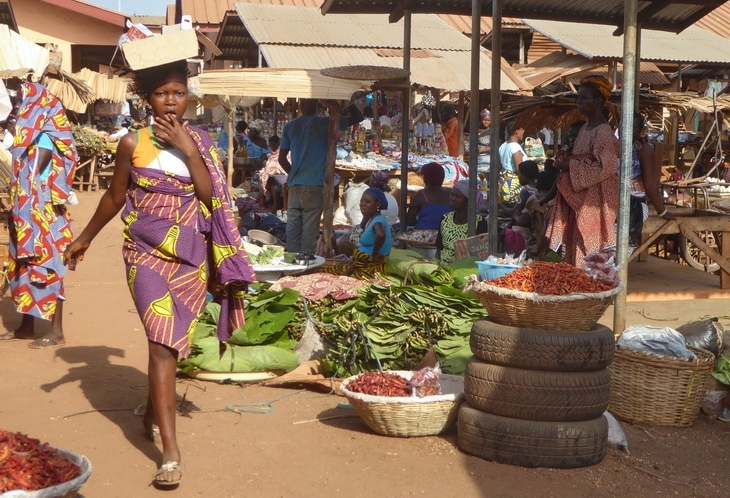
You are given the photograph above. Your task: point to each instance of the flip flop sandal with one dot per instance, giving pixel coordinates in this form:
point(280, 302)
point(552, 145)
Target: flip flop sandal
point(169, 467)
point(46, 342)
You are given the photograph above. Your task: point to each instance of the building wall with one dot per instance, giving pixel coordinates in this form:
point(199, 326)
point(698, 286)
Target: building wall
point(45, 23)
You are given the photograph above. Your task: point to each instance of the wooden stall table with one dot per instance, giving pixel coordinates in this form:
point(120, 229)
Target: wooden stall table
point(85, 175)
point(689, 222)
point(244, 168)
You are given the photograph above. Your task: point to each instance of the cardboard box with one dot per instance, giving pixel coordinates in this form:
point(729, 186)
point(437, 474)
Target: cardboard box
point(161, 49)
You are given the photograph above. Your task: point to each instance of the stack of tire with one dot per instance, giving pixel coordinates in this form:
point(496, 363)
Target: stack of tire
point(536, 398)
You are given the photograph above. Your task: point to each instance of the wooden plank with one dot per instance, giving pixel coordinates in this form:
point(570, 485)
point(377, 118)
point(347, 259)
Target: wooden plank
point(719, 223)
point(653, 235)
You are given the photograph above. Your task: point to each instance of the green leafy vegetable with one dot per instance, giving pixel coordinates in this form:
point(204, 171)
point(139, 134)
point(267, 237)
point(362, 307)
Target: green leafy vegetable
point(267, 255)
point(722, 370)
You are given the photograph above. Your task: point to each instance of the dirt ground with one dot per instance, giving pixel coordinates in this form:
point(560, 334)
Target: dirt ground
point(81, 397)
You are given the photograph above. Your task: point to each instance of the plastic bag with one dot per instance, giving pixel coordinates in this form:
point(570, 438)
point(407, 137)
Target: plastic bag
point(659, 340)
point(425, 382)
point(704, 334)
point(600, 266)
point(616, 435)
point(534, 149)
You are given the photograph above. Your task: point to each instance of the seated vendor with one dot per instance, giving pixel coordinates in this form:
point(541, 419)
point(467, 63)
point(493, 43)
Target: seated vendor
point(431, 203)
point(255, 143)
point(376, 240)
point(454, 225)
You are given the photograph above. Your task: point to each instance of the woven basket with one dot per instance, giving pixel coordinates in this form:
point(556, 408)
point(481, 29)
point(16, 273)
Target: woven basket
point(654, 389)
point(570, 313)
point(409, 417)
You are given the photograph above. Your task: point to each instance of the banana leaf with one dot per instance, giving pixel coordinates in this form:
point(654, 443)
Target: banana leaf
point(206, 356)
point(266, 320)
point(462, 268)
point(409, 266)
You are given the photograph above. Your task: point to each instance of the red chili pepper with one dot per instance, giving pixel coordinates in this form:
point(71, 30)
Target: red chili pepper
point(27, 464)
point(555, 279)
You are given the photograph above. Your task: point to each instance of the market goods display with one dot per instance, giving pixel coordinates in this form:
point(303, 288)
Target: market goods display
point(657, 389)
point(27, 465)
point(551, 279)
point(408, 416)
point(380, 384)
point(545, 296)
point(261, 345)
point(393, 326)
point(419, 237)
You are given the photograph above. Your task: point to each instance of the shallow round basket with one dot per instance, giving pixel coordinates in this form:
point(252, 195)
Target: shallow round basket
point(654, 389)
point(66, 489)
point(263, 237)
point(569, 313)
point(409, 416)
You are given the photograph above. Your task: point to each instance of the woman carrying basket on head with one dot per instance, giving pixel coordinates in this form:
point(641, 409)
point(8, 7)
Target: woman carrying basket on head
point(180, 240)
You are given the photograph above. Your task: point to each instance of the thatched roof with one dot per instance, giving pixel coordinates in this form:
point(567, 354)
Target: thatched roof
point(558, 111)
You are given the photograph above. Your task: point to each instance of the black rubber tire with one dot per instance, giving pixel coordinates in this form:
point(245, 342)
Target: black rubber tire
point(542, 350)
point(534, 395)
point(561, 445)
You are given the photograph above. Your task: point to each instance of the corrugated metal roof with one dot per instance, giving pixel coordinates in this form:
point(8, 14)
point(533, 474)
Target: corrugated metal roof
point(306, 26)
point(540, 47)
point(448, 70)
point(666, 15)
point(300, 37)
point(214, 11)
point(717, 21)
point(694, 45)
point(649, 74)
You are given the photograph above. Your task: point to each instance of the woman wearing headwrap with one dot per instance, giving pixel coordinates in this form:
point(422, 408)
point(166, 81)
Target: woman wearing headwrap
point(584, 216)
point(454, 224)
point(44, 160)
point(376, 240)
point(431, 203)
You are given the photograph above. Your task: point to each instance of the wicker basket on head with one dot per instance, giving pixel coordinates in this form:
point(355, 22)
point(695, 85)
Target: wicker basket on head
point(654, 389)
point(406, 416)
point(569, 313)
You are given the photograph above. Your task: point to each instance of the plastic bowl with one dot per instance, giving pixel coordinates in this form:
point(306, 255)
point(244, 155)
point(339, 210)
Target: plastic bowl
point(489, 270)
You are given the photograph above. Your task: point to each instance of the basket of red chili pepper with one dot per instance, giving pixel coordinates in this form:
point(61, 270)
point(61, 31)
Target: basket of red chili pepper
point(392, 410)
point(31, 469)
point(545, 296)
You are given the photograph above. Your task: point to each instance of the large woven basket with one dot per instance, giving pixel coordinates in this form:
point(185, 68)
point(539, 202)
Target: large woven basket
point(654, 389)
point(569, 313)
point(409, 417)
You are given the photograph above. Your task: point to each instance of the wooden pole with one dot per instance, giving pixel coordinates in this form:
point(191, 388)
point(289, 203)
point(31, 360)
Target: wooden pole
point(327, 215)
point(229, 129)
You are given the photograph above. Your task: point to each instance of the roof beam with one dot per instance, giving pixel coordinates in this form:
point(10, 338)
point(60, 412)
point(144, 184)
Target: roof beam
point(397, 13)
